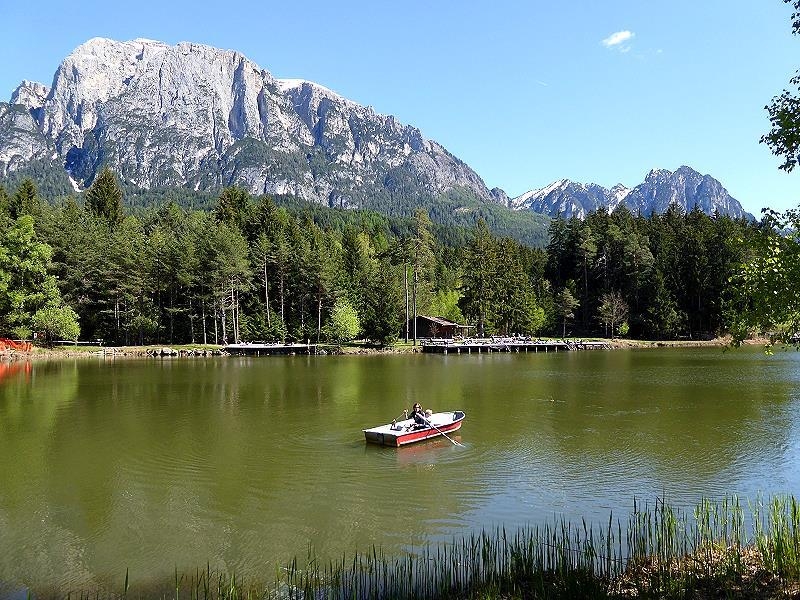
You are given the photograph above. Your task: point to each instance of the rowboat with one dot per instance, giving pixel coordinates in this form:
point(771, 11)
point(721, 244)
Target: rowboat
point(400, 433)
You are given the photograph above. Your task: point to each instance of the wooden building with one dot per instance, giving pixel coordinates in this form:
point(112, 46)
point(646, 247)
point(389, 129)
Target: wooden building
point(436, 327)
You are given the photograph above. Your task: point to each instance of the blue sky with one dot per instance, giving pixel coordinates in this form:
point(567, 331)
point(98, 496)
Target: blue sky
point(523, 92)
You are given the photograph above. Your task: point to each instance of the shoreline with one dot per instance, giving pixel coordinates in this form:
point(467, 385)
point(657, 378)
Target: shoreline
point(216, 351)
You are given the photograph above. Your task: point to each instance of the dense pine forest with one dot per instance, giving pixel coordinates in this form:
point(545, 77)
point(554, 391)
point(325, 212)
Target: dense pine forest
point(244, 268)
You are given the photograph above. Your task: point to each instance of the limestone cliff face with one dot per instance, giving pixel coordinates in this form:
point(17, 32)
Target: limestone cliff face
point(21, 142)
point(30, 94)
point(196, 116)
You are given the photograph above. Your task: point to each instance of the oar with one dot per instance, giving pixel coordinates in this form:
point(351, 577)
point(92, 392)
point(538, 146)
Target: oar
point(444, 434)
point(403, 415)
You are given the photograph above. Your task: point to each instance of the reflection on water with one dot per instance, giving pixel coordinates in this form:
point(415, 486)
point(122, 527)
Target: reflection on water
point(10, 369)
point(243, 463)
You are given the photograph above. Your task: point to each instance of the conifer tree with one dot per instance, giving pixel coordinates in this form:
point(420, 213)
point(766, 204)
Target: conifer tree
point(104, 198)
point(565, 305)
point(5, 203)
point(383, 300)
point(233, 206)
point(25, 200)
point(479, 280)
point(422, 262)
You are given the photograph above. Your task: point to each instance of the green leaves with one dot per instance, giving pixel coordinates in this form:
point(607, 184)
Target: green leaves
point(343, 325)
point(249, 269)
point(498, 294)
point(565, 305)
point(763, 294)
point(783, 138)
point(25, 285)
point(56, 323)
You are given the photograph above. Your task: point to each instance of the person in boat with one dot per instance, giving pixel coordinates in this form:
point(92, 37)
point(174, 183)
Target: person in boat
point(418, 415)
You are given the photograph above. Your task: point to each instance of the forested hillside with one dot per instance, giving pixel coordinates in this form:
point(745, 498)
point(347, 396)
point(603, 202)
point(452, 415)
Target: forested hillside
point(235, 267)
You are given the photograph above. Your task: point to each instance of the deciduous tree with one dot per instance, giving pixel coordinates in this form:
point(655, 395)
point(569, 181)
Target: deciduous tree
point(343, 324)
point(613, 310)
point(56, 323)
point(784, 113)
point(25, 284)
point(763, 294)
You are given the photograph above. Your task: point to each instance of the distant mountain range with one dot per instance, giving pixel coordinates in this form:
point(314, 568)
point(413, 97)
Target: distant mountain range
point(201, 118)
point(685, 187)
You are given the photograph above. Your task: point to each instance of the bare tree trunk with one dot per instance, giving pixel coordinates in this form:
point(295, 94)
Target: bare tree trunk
point(319, 317)
point(283, 316)
point(192, 317)
point(415, 306)
point(585, 291)
point(205, 333)
point(233, 315)
point(266, 294)
point(216, 330)
point(405, 282)
point(171, 315)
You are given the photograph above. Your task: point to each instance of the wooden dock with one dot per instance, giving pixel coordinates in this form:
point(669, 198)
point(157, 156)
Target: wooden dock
point(270, 349)
point(488, 345)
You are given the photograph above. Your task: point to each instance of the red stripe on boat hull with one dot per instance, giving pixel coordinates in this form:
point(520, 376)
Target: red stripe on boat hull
point(424, 434)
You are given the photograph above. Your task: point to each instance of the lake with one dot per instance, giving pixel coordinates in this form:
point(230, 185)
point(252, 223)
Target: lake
point(243, 463)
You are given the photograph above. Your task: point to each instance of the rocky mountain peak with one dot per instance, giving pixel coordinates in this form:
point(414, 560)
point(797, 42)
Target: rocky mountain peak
point(303, 87)
point(684, 187)
point(30, 94)
point(656, 174)
point(197, 116)
point(620, 190)
point(562, 197)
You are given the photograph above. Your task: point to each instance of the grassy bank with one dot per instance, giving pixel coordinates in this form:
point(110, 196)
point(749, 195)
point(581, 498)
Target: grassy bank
point(355, 348)
point(726, 549)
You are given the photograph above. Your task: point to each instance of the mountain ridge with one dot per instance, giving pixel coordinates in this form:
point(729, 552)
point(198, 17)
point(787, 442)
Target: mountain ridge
point(194, 116)
point(661, 188)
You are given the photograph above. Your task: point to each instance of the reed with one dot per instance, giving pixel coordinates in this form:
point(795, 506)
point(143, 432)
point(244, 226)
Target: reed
point(659, 551)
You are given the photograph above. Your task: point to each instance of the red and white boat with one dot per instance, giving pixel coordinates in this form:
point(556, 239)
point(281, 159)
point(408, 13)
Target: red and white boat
point(404, 432)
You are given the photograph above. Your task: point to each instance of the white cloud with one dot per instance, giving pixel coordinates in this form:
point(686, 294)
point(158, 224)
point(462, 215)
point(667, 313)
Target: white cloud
point(618, 40)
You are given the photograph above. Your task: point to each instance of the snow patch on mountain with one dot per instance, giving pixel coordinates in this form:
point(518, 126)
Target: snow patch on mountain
point(661, 188)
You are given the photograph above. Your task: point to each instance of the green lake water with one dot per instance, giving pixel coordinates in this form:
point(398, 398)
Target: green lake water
point(152, 465)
